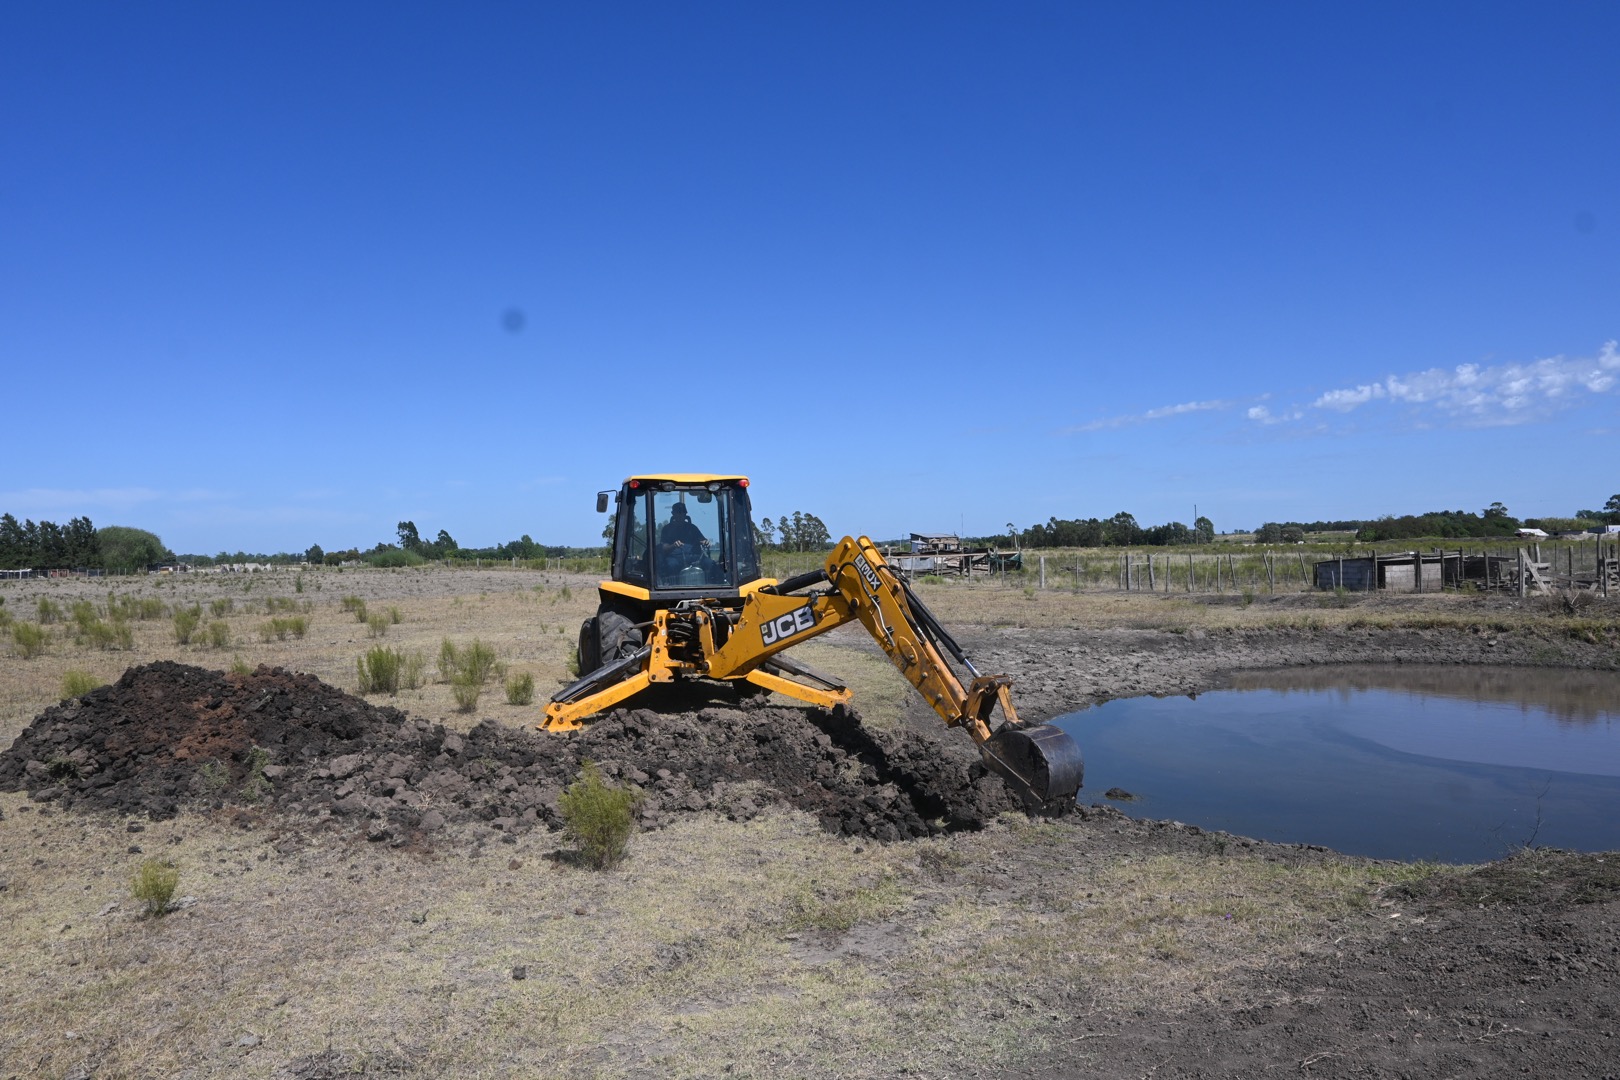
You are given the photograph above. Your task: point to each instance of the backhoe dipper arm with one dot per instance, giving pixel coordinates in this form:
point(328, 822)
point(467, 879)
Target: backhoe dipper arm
point(1041, 763)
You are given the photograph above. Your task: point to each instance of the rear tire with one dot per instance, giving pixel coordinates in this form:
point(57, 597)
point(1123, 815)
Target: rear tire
point(616, 635)
point(590, 650)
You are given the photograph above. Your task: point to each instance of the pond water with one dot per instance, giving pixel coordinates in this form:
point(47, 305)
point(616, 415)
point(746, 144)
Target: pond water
point(1400, 762)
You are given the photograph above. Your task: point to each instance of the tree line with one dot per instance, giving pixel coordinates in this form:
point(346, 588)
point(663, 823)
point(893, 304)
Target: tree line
point(78, 545)
point(798, 531)
point(1121, 530)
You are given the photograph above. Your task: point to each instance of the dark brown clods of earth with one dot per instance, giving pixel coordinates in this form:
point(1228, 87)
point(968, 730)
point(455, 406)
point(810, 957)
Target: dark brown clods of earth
point(168, 735)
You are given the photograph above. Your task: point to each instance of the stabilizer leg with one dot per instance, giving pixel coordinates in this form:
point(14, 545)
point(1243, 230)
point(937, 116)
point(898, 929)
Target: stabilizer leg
point(601, 689)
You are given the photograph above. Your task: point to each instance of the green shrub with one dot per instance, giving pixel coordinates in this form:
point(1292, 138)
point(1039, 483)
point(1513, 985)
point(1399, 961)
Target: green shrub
point(30, 639)
point(356, 605)
point(411, 673)
point(377, 626)
point(84, 614)
point(394, 616)
point(240, 666)
point(141, 608)
point(255, 784)
point(114, 635)
point(473, 663)
point(395, 557)
point(211, 777)
point(598, 818)
point(48, 611)
point(466, 691)
point(298, 626)
point(219, 634)
point(222, 607)
point(476, 661)
point(154, 884)
point(185, 623)
point(76, 683)
point(378, 671)
point(520, 689)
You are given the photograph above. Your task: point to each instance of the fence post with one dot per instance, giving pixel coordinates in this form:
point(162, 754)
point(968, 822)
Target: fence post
point(1043, 572)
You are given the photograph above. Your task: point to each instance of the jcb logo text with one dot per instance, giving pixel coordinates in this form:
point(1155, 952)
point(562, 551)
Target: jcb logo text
point(785, 626)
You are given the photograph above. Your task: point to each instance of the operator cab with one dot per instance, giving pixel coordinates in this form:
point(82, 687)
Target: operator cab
point(683, 536)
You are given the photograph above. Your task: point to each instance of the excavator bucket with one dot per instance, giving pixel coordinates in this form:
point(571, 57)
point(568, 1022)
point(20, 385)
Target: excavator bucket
point(1041, 763)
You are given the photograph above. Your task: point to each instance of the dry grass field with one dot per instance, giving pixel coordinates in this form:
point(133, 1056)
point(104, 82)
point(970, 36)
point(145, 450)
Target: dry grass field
point(759, 948)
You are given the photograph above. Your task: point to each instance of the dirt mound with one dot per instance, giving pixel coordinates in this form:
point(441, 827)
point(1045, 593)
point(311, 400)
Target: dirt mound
point(167, 735)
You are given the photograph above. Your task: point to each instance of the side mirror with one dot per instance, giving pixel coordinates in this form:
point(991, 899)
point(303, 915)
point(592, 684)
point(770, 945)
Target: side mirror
point(601, 502)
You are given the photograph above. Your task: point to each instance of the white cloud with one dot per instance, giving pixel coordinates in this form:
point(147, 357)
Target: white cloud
point(1345, 400)
point(1490, 394)
point(1161, 413)
point(1260, 414)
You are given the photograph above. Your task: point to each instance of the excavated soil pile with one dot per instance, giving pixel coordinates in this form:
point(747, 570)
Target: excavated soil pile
point(168, 735)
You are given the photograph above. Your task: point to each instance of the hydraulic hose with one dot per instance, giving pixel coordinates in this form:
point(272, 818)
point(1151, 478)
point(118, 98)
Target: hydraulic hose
point(801, 581)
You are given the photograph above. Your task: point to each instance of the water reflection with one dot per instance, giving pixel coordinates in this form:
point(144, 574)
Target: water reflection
point(1568, 695)
point(1454, 764)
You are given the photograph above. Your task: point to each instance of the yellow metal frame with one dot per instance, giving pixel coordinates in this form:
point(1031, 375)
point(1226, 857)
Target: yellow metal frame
point(864, 588)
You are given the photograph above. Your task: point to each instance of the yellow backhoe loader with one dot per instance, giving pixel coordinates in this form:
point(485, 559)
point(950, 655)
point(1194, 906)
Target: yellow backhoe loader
point(687, 600)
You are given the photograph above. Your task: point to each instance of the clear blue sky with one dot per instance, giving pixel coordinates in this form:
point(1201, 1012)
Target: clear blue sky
point(280, 274)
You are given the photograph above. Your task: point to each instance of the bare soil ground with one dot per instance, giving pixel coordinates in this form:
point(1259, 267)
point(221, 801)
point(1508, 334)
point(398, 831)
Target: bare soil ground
point(376, 887)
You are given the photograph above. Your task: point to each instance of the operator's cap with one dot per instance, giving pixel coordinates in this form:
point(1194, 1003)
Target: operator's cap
point(678, 510)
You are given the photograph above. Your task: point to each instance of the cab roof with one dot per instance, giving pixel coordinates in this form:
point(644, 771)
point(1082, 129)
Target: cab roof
point(685, 478)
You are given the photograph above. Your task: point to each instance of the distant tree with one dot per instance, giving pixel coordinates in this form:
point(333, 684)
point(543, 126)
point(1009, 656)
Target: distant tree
point(83, 546)
point(1293, 534)
point(125, 548)
point(13, 543)
point(1609, 515)
point(1269, 533)
point(1122, 529)
point(1203, 531)
point(764, 533)
point(1443, 524)
point(444, 545)
point(315, 555)
point(408, 538)
point(804, 532)
point(1173, 532)
point(1496, 510)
